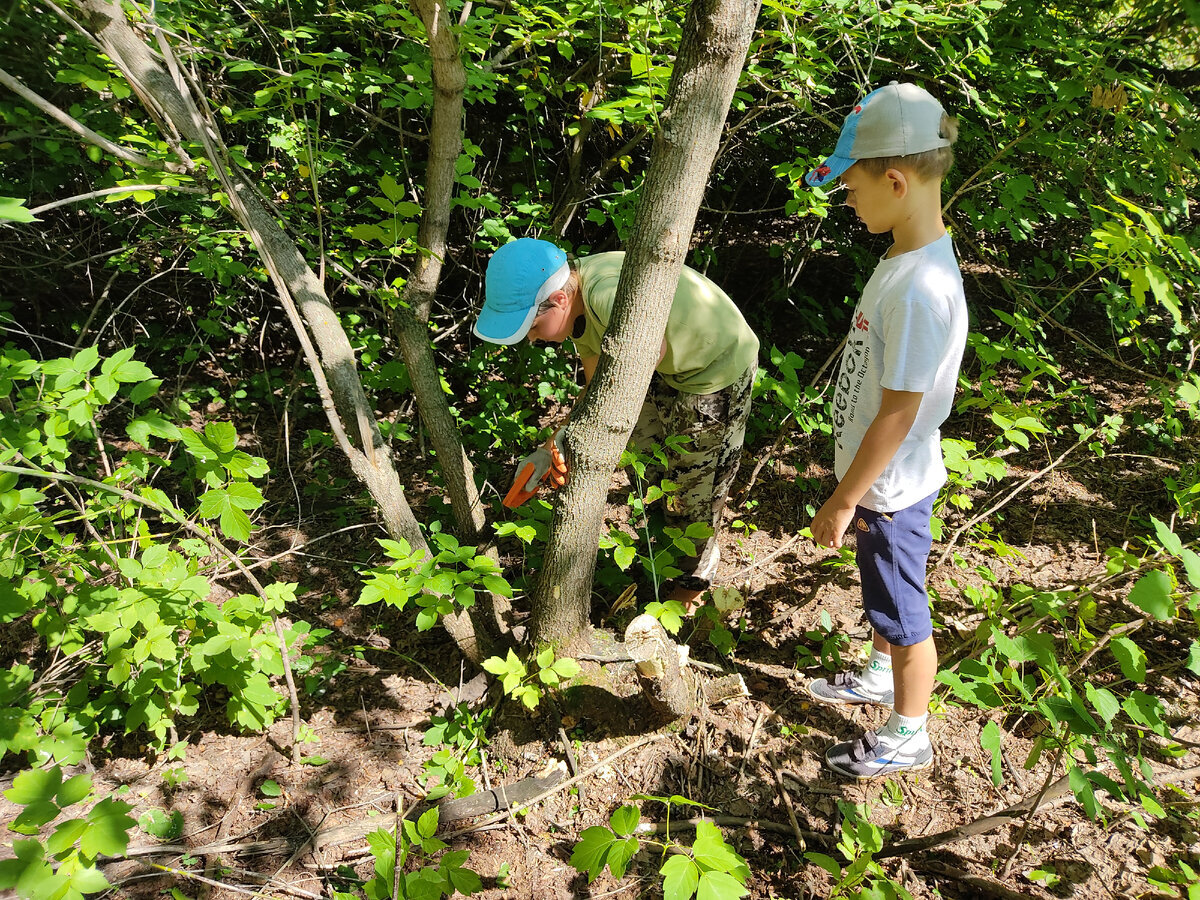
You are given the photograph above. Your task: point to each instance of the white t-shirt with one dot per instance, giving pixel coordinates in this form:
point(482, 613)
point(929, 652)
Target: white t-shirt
point(908, 334)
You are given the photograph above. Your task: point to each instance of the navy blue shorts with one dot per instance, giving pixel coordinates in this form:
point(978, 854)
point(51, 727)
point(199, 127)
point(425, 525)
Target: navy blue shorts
point(893, 549)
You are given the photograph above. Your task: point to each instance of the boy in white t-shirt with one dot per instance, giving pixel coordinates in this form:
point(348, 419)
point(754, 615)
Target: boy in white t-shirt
point(895, 388)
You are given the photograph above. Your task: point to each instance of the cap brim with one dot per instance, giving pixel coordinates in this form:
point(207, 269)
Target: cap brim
point(828, 171)
point(504, 328)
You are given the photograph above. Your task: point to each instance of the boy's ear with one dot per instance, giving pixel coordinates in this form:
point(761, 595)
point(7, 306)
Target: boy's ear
point(898, 182)
point(560, 299)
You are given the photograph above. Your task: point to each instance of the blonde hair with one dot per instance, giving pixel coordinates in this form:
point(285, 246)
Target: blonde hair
point(570, 286)
point(930, 165)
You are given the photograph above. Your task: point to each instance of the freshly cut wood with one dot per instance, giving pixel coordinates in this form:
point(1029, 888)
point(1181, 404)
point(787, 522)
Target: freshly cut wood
point(671, 688)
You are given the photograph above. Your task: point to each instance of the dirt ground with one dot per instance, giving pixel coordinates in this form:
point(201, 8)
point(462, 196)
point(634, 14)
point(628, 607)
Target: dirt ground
point(747, 759)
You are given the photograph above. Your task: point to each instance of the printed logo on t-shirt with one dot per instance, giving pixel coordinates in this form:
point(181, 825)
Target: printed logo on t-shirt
point(850, 376)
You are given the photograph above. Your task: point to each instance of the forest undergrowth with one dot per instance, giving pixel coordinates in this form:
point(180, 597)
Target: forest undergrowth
point(221, 674)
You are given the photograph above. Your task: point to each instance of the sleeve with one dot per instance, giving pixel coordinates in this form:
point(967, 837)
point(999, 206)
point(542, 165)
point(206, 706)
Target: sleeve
point(598, 302)
point(915, 337)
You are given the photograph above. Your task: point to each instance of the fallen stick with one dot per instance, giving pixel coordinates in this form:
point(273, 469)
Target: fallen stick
point(499, 798)
point(982, 886)
point(479, 826)
point(787, 801)
point(733, 822)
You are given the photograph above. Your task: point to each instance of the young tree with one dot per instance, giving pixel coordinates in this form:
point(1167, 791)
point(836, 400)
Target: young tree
point(716, 37)
point(173, 101)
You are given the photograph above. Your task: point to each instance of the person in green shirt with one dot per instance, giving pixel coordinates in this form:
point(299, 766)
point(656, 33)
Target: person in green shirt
point(700, 389)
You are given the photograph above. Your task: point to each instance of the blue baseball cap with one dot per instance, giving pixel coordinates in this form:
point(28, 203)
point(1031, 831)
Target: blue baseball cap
point(520, 275)
point(896, 120)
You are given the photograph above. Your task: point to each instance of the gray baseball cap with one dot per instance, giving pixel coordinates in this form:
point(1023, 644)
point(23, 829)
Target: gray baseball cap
point(896, 120)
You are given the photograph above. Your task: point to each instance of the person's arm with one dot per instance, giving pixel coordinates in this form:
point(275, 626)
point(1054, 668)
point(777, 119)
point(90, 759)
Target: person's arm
point(589, 364)
point(897, 412)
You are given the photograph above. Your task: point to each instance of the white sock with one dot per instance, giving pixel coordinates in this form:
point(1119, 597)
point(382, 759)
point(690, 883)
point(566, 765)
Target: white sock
point(876, 675)
point(904, 731)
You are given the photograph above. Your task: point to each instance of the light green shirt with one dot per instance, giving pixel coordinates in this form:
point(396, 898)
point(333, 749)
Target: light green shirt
point(708, 342)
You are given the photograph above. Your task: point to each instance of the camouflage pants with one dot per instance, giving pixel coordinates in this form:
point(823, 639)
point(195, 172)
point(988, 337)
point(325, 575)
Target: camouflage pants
point(705, 466)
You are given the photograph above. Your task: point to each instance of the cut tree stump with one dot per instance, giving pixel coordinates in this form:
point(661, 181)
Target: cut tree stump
point(673, 689)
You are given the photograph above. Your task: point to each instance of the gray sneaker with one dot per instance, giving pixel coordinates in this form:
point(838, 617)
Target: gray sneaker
point(866, 758)
point(846, 688)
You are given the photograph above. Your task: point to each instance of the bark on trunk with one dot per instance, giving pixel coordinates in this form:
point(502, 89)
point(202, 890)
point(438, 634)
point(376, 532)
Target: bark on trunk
point(411, 319)
point(715, 40)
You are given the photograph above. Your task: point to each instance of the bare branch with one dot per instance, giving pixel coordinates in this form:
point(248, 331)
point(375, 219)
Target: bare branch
point(36, 100)
point(127, 189)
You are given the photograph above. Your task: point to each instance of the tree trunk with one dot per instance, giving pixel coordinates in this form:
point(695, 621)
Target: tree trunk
point(162, 90)
point(410, 321)
point(716, 37)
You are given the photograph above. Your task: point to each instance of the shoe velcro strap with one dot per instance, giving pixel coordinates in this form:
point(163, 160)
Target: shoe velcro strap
point(865, 747)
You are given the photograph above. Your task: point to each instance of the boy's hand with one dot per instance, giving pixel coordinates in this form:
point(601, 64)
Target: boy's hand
point(830, 523)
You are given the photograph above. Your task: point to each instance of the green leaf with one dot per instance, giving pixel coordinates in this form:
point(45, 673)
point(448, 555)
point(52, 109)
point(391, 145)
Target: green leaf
point(624, 557)
point(35, 785)
point(109, 834)
point(28, 868)
point(89, 880)
point(1084, 792)
point(1152, 594)
point(270, 788)
point(245, 495)
point(711, 851)
point(1193, 660)
point(441, 583)
point(1103, 701)
point(624, 820)
point(221, 436)
point(160, 824)
point(545, 659)
point(719, 886)
point(13, 209)
point(219, 502)
point(1131, 658)
point(989, 739)
point(1146, 709)
point(34, 816)
point(495, 665)
point(65, 835)
point(144, 391)
point(497, 585)
point(149, 425)
point(681, 876)
point(828, 863)
point(566, 667)
point(1169, 539)
point(428, 823)
point(390, 189)
point(1191, 564)
point(590, 852)
point(74, 789)
point(464, 881)
point(279, 595)
point(619, 854)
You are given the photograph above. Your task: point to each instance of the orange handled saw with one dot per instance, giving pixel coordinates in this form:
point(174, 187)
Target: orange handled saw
point(540, 466)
